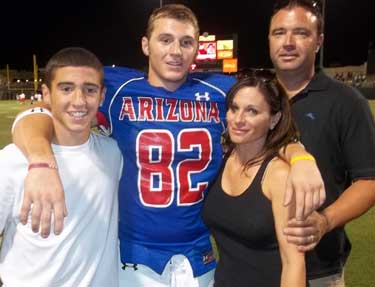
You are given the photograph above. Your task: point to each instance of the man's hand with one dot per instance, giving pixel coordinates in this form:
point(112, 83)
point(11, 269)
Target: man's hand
point(44, 191)
point(305, 184)
point(307, 233)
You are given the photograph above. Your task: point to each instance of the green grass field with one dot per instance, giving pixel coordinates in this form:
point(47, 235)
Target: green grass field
point(8, 111)
point(361, 265)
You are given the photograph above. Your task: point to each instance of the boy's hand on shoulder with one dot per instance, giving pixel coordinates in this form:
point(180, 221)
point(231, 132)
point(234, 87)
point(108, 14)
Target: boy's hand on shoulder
point(305, 183)
point(43, 196)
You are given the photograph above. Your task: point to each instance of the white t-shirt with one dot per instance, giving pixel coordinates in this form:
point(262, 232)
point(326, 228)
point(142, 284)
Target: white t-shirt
point(86, 252)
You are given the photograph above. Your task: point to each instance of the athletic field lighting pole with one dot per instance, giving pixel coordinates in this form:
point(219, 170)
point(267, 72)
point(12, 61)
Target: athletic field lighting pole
point(321, 63)
point(8, 78)
point(35, 65)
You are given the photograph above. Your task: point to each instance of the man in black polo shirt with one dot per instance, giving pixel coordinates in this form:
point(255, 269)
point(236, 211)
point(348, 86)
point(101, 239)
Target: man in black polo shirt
point(336, 126)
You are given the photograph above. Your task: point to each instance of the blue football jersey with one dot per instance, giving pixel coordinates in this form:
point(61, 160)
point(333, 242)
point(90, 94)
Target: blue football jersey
point(171, 144)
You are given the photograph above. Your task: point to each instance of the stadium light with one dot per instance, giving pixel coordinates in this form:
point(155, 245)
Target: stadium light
point(321, 55)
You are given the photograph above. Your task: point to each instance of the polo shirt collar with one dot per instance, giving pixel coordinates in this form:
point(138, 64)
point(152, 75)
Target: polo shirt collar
point(319, 82)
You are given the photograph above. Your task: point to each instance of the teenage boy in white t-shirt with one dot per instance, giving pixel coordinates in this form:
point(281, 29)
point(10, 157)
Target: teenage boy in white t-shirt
point(86, 252)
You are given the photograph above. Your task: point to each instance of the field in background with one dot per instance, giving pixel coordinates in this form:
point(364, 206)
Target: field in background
point(359, 270)
point(8, 111)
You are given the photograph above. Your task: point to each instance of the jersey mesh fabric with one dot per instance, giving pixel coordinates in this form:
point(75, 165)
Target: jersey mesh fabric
point(171, 145)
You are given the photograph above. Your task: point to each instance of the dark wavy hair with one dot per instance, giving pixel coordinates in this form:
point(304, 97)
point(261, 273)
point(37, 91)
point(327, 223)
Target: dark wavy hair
point(285, 130)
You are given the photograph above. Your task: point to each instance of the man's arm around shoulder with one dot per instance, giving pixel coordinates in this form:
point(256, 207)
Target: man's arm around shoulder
point(32, 133)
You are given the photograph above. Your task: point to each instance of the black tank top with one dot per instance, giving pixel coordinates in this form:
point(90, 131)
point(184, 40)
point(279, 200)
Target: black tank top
point(244, 230)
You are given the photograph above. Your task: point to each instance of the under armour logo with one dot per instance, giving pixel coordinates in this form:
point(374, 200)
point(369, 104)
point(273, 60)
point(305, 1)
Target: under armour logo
point(310, 115)
point(199, 97)
point(134, 266)
point(35, 109)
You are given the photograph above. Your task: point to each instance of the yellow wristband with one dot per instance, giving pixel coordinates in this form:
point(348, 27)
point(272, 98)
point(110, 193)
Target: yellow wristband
point(301, 157)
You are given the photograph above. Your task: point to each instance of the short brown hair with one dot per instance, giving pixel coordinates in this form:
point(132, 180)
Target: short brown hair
point(309, 5)
point(174, 11)
point(75, 57)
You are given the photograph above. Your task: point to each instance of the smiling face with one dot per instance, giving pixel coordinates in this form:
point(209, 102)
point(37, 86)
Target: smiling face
point(171, 48)
point(294, 40)
point(74, 96)
point(249, 119)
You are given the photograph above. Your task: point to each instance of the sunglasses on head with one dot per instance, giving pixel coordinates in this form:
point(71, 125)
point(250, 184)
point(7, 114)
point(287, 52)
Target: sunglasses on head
point(263, 74)
point(312, 4)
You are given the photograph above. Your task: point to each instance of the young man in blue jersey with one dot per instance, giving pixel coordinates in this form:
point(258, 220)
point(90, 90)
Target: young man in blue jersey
point(168, 125)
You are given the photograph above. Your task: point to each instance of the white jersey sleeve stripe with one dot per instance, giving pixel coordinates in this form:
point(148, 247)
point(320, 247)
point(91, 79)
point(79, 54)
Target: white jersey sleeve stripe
point(212, 86)
point(114, 97)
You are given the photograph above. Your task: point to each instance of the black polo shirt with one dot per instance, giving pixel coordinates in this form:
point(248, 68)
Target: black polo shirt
point(337, 127)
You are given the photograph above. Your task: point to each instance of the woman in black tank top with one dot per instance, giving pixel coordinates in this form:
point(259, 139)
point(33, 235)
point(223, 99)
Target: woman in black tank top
point(244, 208)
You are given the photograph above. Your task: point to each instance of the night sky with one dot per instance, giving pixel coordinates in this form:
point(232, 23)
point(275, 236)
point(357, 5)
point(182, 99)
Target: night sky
point(113, 28)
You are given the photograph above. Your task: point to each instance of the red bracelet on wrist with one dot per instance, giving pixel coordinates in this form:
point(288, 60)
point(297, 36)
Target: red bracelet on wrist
point(41, 165)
